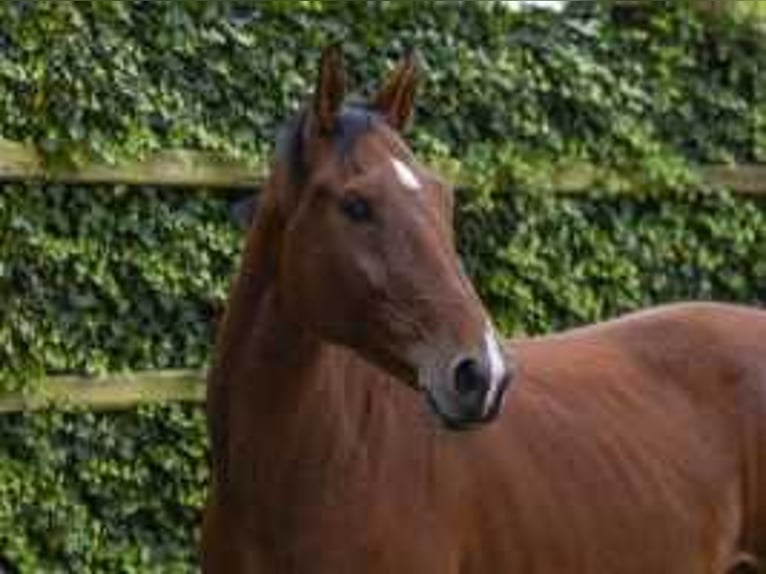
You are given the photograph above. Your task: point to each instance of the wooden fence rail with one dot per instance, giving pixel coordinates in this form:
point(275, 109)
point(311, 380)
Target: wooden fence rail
point(188, 168)
point(168, 168)
point(744, 179)
point(116, 391)
point(192, 169)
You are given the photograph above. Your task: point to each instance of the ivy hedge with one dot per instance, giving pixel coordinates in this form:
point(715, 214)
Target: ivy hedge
point(96, 279)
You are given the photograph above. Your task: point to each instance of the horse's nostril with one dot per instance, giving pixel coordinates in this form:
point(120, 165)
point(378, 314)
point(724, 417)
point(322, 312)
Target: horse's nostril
point(470, 378)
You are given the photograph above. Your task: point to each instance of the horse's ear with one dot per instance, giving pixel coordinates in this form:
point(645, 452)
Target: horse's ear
point(330, 89)
point(396, 99)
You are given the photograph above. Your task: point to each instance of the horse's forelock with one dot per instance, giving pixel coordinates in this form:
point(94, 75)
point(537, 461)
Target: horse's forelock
point(353, 121)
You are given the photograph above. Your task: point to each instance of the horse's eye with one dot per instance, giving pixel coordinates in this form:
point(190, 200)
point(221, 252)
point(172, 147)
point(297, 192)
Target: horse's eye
point(356, 208)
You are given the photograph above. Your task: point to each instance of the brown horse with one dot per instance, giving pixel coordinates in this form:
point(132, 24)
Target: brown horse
point(636, 446)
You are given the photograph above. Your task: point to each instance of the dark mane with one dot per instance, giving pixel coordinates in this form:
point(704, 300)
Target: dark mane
point(353, 121)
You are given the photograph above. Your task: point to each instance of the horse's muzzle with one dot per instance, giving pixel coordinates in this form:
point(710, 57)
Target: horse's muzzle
point(473, 393)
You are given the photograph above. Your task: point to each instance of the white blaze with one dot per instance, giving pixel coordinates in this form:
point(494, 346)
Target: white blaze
point(405, 174)
point(496, 366)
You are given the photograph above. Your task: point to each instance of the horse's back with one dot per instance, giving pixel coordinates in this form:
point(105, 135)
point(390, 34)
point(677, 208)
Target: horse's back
point(709, 351)
point(662, 414)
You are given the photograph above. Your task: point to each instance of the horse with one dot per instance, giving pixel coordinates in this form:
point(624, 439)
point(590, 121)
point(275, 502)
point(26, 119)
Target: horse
point(366, 417)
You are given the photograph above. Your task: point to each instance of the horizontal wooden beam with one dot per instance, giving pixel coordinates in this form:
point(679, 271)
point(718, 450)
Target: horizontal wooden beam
point(744, 179)
point(578, 178)
point(195, 169)
point(112, 392)
point(169, 168)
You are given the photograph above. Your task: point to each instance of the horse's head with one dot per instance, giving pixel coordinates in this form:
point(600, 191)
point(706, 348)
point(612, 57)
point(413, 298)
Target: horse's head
point(367, 256)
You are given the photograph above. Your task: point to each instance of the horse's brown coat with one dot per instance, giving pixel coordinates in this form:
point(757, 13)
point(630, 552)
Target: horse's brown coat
point(636, 446)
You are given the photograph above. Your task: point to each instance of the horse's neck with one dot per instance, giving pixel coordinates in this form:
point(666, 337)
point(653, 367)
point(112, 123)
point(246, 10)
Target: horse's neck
point(279, 402)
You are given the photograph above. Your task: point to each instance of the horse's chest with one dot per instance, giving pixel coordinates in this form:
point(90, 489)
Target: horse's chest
point(340, 540)
point(351, 526)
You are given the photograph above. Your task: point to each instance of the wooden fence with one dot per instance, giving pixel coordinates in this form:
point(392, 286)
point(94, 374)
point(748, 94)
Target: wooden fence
point(190, 169)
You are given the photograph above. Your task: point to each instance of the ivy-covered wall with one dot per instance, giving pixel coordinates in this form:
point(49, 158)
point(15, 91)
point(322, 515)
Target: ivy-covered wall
point(100, 279)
